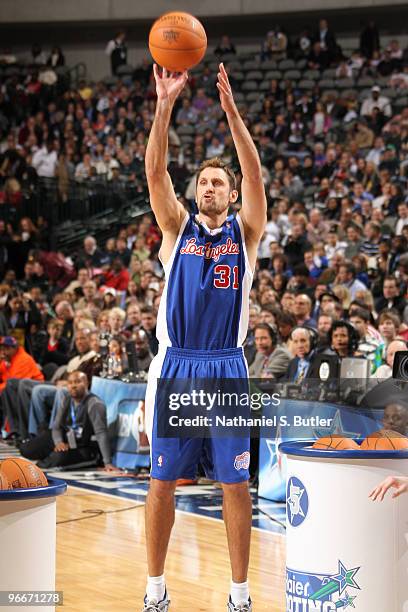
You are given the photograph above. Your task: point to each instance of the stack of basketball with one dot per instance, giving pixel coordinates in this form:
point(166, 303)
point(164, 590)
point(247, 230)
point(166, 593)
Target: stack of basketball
point(384, 440)
point(18, 473)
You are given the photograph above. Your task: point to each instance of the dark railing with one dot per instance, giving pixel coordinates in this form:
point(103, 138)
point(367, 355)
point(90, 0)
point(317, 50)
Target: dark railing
point(77, 207)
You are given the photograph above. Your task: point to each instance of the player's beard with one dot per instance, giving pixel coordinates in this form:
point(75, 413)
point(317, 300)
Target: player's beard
point(213, 206)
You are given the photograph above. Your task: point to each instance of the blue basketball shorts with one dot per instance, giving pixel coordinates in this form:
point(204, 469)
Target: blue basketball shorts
point(224, 459)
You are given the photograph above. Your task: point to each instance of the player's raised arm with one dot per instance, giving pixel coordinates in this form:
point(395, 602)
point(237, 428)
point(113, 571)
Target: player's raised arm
point(253, 212)
point(168, 210)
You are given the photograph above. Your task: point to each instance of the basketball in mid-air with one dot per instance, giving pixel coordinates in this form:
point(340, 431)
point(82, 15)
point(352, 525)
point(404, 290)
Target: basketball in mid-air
point(177, 41)
point(335, 442)
point(22, 474)
point(385, 439)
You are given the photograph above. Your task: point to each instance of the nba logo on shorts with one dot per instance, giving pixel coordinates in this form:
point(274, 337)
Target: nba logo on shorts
point(242, 461)
point(160, 461)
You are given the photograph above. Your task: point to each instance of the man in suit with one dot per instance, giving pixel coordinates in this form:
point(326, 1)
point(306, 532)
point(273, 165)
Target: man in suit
point(327, 39)
point(302, 344)
point(271, 360)
point(391, 298)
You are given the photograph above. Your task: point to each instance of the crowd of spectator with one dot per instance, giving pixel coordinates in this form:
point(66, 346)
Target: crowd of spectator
point(332, 272)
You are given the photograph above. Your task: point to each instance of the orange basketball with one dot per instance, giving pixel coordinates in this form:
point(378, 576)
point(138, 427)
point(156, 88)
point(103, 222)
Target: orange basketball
point(385, 439)
point(4, 483)
point(177, 41)
point(22, 474)
point(335, 442)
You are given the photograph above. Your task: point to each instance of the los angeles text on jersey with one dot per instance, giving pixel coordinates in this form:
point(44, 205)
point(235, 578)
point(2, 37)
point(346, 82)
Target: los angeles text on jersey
point(208, 250)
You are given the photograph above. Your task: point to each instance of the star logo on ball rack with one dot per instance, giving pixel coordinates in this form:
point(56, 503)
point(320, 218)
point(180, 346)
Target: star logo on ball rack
point(297, 500)
point(337, 583)
point(336, 427)
point(330, 591)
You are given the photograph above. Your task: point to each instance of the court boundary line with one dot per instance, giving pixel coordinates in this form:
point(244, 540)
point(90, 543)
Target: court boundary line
point(202, 516)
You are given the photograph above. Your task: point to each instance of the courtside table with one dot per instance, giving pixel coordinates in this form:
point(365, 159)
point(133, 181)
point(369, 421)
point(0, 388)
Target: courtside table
point(28, 546)
point(344, 551)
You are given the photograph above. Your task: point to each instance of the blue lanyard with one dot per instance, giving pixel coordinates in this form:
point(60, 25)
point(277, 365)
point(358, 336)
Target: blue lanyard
point(73, 416)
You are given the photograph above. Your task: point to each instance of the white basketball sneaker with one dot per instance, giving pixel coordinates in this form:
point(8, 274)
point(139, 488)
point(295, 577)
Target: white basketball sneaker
point(156, 606)
point(246, 607)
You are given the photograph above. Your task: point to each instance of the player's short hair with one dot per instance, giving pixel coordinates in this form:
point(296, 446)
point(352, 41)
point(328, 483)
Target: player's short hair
point(216, 162)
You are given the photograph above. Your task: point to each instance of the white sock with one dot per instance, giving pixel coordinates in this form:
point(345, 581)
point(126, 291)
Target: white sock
point(239, 592)
point(156, 587)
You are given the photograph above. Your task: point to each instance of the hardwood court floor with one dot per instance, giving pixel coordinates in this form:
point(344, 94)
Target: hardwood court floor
point(101, 560)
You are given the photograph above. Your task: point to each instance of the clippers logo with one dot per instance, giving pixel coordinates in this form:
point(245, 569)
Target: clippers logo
point(171, 36)
point(160, 461)
point(208, 250)
point(242, 461)
point(297, 500)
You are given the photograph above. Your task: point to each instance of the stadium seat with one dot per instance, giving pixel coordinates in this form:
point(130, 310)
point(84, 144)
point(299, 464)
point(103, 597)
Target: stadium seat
point(292, 74)
point(249, 86)
point(344, 83)
point(306, 84)
point(273, 74)
point(286, 64)
point(269, 65)
point(125, 70)
point(327, 84)
point(255, 75)
point(312, 74)
point(251, 65)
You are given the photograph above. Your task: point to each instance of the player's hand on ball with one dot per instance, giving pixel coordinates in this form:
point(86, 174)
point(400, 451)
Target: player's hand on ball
point(169, 85)
point(399, 483)
point(225, 91)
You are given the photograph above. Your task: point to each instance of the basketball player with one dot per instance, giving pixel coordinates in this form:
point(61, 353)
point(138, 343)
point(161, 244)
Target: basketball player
point(202, 323)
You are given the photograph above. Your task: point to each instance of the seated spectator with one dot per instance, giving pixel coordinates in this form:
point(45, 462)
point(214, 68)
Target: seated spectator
point(297, 244)
point(118, 277)
point(324, 323)
point(143, 354)
point(15, 365)
point(391, 298)
point(375, 100)
point(79, 417)
point(370, 246)
point(388, 325)
point(368, 346)
point(271, 360)
point(149, 320)
point(302, 310)
point(318, 58)
point(302, 341)
point(225, 47)
point(347, 278)
point(90, 256)
point(395, 418)
point(343, 340)
point(275, 44)
point(116, 321)
point(51, 347)
point(385, 370)
point(22, 318)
